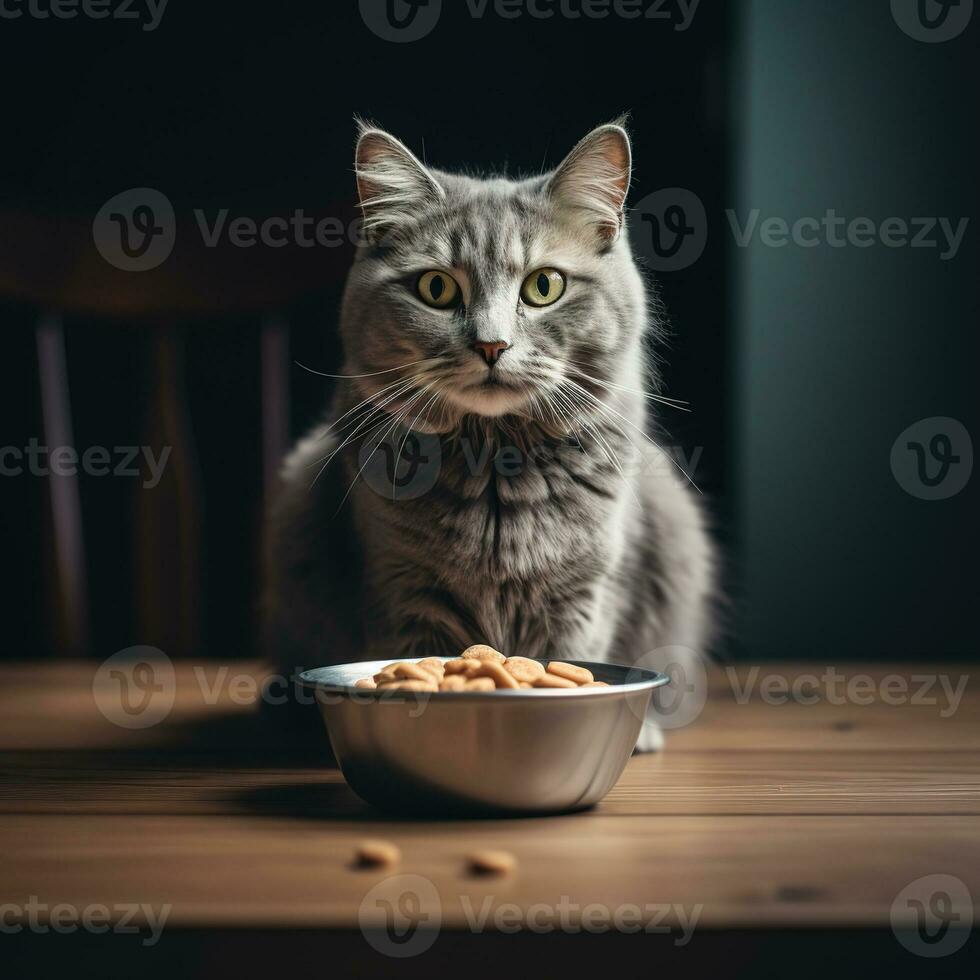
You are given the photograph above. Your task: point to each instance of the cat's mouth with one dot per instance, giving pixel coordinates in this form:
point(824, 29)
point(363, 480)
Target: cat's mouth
point(491, 395)
point(494, 380)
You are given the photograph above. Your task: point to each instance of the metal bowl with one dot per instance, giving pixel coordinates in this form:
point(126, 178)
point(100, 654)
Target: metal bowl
point(523, 751)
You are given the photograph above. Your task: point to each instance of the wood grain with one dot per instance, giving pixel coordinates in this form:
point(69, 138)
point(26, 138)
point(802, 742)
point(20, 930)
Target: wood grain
point(671, 784)
point(757, 814)
point(253, 871)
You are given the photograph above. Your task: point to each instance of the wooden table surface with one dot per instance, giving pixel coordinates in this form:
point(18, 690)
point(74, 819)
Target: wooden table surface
point(758, 814)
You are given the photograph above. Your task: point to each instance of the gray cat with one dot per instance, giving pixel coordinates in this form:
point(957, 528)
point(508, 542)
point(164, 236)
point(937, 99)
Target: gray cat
point(485, 473)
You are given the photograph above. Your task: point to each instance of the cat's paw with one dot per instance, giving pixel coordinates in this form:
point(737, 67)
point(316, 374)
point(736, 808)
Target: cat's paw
point(651, 738)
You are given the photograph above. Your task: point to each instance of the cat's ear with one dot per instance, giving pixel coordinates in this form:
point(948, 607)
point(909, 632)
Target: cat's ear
point(593, 179)
point(392, 183)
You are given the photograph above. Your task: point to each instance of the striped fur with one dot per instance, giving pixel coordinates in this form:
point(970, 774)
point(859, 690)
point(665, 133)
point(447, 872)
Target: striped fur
point(553, 528)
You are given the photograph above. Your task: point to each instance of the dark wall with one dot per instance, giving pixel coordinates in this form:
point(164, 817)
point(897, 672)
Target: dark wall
point(840, 349)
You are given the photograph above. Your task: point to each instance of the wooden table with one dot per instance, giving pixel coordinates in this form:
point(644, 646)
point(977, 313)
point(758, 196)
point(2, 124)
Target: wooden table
point(767, 815)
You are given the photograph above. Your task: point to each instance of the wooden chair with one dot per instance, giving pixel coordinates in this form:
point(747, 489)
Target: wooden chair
point(52, 263)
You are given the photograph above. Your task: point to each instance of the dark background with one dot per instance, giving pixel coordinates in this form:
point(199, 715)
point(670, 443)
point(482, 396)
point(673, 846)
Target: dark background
point(802, 365)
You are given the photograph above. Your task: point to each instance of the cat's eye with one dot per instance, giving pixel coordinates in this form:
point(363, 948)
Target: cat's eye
point(543, 287)
point(438, 289)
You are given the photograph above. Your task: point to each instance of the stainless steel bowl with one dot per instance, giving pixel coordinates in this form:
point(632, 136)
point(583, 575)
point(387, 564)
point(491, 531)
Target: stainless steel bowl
point(526, 751)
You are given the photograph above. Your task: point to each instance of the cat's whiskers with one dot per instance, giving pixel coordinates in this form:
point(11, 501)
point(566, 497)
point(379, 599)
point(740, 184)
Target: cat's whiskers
point(378, 417)
point(572, 397)
point(434, 359)
point(606, 409)
point(403, 386)
point(570, 418)
point(432, 403)
point(378, 413)
point(334, 428)
point(534, 403)
point(561, 419)
point(399, 415)
point(423, 382)
point(587, 401)
point(396, 418)
point(540, 400)
point(677, 403)
point(369, 402)
point(604, 446)
point(408, 429)
point(582, 405)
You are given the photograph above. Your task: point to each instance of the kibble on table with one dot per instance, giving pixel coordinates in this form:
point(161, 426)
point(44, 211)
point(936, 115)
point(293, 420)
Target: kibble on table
point(492, 863)
point(374, 853)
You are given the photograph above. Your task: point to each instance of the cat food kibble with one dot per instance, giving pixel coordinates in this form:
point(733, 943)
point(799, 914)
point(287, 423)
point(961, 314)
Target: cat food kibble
point(482, 652)
point(413, 672)
point(569, 671)
point(429, 684)
point(480, 684)
point(551, 680)
point(492, 863)
point(498, 674)
point(479, 668)
point(523, 668)
point(377, 854)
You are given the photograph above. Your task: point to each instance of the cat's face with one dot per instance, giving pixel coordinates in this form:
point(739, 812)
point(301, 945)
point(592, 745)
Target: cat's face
point(491, 297)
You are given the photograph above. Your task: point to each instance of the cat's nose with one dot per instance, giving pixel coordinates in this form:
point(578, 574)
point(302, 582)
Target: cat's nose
point(490, 349)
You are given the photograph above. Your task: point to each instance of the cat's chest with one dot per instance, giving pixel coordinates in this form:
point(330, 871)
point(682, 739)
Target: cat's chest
point(521, 517)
